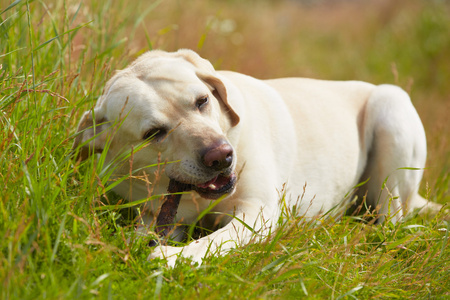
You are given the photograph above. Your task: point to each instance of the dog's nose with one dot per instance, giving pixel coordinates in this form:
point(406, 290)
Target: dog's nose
point(219, 158)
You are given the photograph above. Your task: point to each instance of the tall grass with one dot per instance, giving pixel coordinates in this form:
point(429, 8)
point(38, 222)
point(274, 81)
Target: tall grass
point(55, 57)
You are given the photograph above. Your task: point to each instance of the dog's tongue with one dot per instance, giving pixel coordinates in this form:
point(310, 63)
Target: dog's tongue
point(216, 183)
point(208, 183)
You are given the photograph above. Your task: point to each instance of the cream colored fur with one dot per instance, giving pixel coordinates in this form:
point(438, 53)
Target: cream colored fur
point(286, 134)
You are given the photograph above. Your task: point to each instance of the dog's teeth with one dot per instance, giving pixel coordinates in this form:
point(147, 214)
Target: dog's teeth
point(212, 186)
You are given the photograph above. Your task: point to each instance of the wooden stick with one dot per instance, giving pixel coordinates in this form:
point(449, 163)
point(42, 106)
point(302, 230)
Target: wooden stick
point(166, 217)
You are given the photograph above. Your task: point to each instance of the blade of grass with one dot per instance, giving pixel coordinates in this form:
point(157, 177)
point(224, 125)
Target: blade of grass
point(11, 6)
point(60, 35)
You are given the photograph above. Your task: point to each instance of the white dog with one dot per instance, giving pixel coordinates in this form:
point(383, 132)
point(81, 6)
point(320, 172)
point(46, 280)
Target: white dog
point(228, 134)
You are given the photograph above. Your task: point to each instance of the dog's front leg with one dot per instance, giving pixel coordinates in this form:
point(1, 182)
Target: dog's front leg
point(249, 222)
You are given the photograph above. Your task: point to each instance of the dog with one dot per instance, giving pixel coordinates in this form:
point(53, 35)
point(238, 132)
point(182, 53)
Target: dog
point(243, 144)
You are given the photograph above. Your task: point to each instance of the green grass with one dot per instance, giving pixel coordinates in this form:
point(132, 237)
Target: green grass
point(55, 58)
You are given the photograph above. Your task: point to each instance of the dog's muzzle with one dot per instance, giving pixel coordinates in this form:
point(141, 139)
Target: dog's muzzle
point(216, 187)
point(217, 160)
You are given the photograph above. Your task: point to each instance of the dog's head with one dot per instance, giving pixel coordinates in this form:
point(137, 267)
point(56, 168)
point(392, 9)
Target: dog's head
point(177, 104)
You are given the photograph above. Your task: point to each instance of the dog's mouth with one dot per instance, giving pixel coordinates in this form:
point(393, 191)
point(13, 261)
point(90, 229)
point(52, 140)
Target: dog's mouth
point(216, 187)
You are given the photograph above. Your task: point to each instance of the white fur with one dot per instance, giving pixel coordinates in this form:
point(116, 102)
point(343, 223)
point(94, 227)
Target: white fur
point(286, 133)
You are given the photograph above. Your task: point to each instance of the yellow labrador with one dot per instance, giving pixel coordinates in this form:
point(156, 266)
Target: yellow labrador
point(228, 134)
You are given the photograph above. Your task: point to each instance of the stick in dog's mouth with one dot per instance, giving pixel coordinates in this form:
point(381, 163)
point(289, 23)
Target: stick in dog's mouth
point(166, 216)
point(212, 189)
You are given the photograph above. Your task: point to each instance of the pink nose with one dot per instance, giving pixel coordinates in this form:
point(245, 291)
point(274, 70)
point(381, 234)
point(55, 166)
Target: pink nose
point(219, 158)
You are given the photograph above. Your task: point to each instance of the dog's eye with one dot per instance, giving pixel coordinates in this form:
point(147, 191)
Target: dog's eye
point(155, 134)
point(201, 102)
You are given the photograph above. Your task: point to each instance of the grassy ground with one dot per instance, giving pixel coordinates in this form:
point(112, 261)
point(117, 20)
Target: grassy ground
point(55, 56)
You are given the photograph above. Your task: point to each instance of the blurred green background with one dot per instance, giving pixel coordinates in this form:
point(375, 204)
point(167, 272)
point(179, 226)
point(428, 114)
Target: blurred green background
point(55, 57)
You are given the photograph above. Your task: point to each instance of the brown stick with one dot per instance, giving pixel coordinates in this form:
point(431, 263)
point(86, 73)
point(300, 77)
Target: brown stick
point(166, 217)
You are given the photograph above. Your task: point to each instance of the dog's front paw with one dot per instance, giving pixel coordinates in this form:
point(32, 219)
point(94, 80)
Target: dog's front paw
point(171, 254)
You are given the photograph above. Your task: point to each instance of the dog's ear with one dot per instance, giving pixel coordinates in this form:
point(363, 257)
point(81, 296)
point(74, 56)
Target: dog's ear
point(220, 92)
point(206, 73)
point(92, 133)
